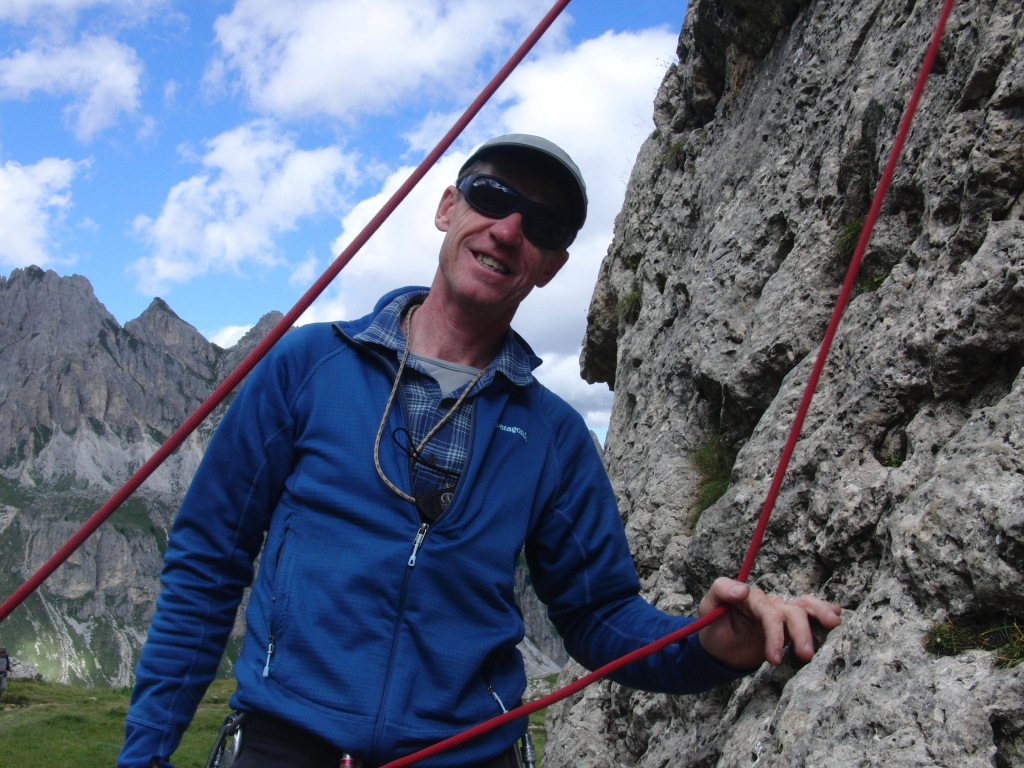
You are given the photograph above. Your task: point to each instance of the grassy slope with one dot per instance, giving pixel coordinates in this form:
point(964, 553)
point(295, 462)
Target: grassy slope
point(47, 724)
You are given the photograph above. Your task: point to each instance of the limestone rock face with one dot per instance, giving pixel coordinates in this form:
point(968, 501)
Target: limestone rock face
point(904, 499)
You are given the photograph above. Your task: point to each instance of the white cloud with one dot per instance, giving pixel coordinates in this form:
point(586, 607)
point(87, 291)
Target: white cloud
point(171, 90)
point(305, 272)
point(256, 185)
point(303, 58)
point(33, 199)
point(561, 373)
point(100, 75)
point(228, 336)
point(403, 251)
point(594, 100)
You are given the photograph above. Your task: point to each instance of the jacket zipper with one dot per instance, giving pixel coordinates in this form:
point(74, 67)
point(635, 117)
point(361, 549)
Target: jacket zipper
point(421, 534)
point(390, 667)
point(497, 698)
point(273, 599)
point(270, 652)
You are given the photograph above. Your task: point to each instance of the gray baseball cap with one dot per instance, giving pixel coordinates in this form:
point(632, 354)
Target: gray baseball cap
point(541, 155)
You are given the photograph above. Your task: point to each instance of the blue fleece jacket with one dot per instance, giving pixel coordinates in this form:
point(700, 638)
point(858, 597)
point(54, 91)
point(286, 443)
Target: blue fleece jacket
point(350, 635)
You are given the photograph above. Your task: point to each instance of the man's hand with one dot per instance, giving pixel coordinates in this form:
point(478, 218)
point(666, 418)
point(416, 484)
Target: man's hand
point(757, 627)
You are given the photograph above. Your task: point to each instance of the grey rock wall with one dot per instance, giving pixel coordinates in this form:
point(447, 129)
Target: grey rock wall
point(904, 500)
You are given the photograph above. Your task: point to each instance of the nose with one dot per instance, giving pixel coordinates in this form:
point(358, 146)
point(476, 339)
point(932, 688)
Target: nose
point(508, 230)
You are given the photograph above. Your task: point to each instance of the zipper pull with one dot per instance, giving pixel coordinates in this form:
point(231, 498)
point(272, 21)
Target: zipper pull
point(270, 652)
point(497, 698)
point(421, 534)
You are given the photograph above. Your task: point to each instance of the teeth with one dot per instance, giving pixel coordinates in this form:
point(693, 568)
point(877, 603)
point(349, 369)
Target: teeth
point(490, 263)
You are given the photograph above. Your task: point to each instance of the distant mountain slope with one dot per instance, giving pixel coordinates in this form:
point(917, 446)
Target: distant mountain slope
point(83, 403)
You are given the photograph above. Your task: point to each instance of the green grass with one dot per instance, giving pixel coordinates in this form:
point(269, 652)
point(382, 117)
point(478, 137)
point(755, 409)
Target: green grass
point(629, 305)
point(675, 155)
point(47, 724)
point(1004, 638)
point(847, 238)
point(536, 726)
point(714, 461)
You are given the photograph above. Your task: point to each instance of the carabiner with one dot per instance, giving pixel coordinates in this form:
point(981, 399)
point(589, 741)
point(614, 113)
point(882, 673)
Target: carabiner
point(230, 731)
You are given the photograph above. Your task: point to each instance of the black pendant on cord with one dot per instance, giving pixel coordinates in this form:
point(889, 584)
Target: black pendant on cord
point(432, 504)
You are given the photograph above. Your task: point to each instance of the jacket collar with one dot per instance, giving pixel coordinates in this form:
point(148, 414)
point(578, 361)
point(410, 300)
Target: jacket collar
point(516, 360)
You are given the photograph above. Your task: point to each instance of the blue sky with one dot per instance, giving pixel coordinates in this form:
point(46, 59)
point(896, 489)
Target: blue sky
point(220, 153)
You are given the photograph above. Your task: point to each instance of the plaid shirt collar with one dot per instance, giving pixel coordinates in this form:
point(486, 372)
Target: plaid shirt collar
point(513, 361)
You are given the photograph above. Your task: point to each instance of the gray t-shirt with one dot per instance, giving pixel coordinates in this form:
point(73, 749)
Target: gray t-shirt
point(449, 376)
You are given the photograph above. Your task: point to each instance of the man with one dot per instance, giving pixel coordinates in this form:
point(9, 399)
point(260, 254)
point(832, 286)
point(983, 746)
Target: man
point(5, 670)
point(391, 469)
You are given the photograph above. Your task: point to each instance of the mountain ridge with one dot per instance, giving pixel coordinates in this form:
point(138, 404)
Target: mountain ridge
point(84, 402)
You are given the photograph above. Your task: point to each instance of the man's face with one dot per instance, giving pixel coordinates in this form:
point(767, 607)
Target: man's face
point(488, 263)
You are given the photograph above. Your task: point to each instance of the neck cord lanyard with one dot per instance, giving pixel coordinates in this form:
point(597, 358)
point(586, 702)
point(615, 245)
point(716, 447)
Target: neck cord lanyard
point(391, 400)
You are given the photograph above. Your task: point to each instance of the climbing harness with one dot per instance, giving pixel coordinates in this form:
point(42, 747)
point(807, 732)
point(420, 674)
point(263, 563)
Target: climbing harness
point(228, 745)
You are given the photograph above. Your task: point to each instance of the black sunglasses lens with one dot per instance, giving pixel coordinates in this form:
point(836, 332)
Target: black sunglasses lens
point(544, 230)
point(492, 197)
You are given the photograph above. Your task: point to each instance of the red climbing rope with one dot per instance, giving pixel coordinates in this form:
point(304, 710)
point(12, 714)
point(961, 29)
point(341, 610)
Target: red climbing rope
point(848, 285)
point(246, 366)
point(794, 434)
point(235, 378)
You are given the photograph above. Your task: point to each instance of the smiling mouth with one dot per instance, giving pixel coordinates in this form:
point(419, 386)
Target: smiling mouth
point(491, 264)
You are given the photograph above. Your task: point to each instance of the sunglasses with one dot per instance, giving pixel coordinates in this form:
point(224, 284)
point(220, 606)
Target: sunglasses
point(492, 197)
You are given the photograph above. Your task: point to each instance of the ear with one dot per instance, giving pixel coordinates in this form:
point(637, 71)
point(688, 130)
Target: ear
point(555, 261)
point(443, 215)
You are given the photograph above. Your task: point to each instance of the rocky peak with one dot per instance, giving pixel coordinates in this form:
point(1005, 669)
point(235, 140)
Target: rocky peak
point(71, 374)
point(85, 403)
point(234, 356)
point(62, 310)
point(160, 327)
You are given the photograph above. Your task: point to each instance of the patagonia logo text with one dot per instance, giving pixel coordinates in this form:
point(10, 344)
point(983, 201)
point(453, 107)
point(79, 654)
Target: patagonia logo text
point(514, 431)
